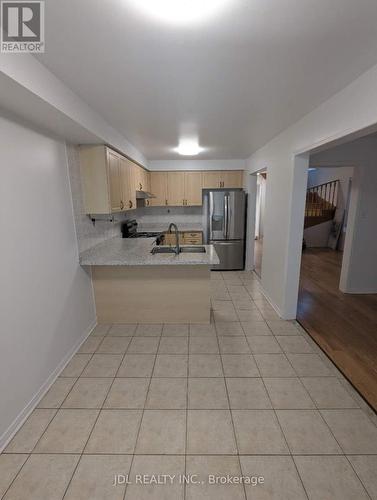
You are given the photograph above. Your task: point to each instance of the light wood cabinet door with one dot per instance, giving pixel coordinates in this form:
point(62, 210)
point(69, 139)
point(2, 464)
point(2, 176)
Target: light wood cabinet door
point(146, 181)
point(128, 184)
point(193, 188)
point(138, 178)
point(233, 179)
point(176, 188)
point(212, 180)
point(159, 189)
point(193, 238)
point(115, 187)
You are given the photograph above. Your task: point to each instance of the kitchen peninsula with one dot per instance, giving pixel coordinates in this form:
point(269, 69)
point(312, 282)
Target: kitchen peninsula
point(132, 285)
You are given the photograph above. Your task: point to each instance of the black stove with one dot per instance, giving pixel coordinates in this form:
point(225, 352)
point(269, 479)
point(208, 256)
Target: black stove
point(129, 230)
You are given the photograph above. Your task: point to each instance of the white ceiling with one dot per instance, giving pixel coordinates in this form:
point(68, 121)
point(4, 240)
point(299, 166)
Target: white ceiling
point(236, 80)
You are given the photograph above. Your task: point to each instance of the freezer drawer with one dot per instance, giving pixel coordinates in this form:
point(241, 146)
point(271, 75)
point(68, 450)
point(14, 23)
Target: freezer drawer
point(231, 254)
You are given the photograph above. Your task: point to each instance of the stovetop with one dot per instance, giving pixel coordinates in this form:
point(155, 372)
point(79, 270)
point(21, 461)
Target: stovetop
point(129, 230)
point(144, 235)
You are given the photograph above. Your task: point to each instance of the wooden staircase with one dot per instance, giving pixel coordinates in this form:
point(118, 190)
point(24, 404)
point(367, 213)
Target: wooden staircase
point(321, 202)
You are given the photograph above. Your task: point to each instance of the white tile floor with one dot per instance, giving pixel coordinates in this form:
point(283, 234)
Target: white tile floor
point(249, 394)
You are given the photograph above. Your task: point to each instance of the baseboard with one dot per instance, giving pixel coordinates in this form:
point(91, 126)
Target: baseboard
point(24, 414)
point(358, 291)
point(272, 304)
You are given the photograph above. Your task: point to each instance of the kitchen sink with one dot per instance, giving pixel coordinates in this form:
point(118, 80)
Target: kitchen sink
point(193, 249)
point(162, 250)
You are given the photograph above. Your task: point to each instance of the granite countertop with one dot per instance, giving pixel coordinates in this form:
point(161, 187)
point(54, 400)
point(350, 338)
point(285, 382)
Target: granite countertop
point(163, 227)
point(137, 252)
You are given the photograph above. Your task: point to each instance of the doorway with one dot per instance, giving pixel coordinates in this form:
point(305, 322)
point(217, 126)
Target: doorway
point(260, 208)
point(342, 321)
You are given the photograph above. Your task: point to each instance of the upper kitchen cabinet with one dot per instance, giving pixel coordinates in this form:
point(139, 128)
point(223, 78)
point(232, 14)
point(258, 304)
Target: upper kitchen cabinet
point(159, 188)
point(176, 189)
point(211, 180)
point(106, 180)
point(233, 179)
point(193, 188)
point(127, 175)
point(141, 178)
point(115, 182)
point(223, 179)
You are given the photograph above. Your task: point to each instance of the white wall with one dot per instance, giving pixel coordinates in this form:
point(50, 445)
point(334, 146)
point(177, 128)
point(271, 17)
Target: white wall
point(46, 298)
point(195, 164)
point(286, 159)
point(359, 270)
point(30, 90)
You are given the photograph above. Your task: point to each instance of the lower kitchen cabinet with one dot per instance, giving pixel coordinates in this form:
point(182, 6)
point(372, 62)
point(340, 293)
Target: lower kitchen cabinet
point(185, 238)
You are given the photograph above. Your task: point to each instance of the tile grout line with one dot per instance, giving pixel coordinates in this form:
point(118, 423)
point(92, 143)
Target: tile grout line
point(231, 414)
point(143, 409)
point(187, 410)
point(30, 454)
point(98, 415)
point(285, 439)
point(358, 477)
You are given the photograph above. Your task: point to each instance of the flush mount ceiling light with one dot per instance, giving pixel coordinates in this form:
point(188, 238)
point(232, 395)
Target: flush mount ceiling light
point(188, 148)
point(180, 11)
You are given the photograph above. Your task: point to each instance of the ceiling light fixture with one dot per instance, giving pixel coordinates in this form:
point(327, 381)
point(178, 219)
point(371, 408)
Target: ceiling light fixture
point(180, 11)
point(188, 148)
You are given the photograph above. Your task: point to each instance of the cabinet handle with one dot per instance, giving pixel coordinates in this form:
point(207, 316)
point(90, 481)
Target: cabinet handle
point(121, 205)
point(130, 204)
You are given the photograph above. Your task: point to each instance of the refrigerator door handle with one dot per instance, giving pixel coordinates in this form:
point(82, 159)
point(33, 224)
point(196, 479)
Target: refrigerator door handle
point(226, 216)
point(210, 214)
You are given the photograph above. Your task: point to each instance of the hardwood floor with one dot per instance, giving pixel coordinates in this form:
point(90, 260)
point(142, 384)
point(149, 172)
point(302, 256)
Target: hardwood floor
point(344, 325)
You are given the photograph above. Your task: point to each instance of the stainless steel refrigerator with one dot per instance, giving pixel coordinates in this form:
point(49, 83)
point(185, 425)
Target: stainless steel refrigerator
point(224, 221)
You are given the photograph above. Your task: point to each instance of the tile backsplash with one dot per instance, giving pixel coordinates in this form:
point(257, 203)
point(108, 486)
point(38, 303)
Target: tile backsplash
point(148, 217)
point(89, 235)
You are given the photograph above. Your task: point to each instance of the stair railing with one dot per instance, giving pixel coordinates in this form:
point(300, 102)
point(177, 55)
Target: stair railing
point(321, 199)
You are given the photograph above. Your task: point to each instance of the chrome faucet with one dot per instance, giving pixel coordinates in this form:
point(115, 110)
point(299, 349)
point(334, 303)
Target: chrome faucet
point(174, 226)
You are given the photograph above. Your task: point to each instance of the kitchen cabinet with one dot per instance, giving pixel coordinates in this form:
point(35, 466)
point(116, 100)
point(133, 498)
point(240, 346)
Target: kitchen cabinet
point(192, 238)
point(141, 178)
point(176, 189)
point(223, 179)
point(159, 189)
point(193, 188)
point(185, 238)
point(110, 181)
point(107, 180)
point(233, 179)
point(127, 183)
point(115, 183)
point(211, 180)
